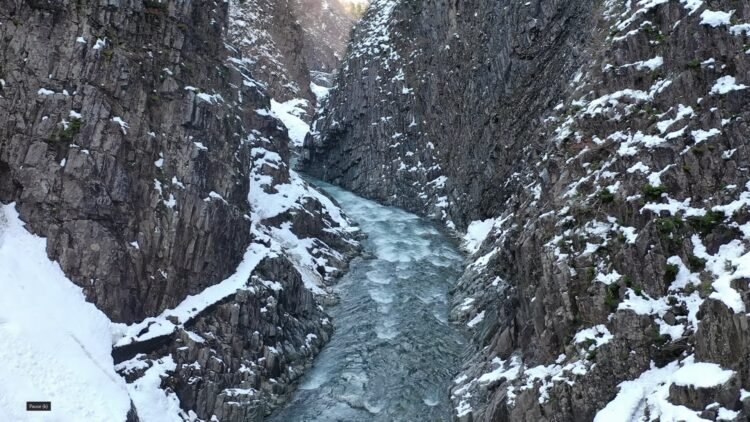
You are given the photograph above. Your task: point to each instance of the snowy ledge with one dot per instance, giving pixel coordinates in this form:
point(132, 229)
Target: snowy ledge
point(171, 319)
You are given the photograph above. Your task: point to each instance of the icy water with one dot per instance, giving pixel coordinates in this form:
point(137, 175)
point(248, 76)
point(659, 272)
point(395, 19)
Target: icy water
point(393, 354)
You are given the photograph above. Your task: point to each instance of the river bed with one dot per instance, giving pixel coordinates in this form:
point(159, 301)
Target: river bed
point(393, 353)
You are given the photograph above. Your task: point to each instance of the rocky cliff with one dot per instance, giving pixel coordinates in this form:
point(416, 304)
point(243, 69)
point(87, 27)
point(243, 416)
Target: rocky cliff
point(271, 40)
point(326, 26)
point(288, 44)
point(137, 138)
point(593, 153)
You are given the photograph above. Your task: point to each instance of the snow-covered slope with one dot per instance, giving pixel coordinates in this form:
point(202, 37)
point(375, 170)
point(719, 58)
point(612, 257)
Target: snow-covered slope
point(56, 346)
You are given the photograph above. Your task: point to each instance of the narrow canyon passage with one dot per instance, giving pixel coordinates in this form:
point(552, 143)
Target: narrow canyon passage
point(393, 352)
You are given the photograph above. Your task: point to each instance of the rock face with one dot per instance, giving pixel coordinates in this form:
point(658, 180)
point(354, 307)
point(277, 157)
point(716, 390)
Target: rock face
point(415, 82)
point(138, 139)
point(241, 359)
point(287, 43)
point(270, 38)
point(593, 153)
point(326, 25)
point(110, 157)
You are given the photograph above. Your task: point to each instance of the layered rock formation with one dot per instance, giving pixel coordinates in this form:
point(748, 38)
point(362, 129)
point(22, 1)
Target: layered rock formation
point(593, 152)
point(137, 139)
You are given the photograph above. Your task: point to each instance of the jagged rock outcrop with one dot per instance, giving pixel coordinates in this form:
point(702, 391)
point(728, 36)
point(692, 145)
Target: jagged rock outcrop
point(136, 137)
point(593, 152)
point(240, 359)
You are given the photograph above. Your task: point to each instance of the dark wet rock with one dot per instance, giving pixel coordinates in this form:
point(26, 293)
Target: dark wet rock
point(110, 194)
point(287, 43)
point(326, 26)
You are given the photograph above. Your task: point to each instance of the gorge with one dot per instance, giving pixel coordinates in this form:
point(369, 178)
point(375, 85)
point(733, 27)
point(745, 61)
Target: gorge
point(493, 210)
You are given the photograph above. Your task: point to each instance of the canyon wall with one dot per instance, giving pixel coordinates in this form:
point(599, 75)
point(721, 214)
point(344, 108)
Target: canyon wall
point(137, 138)
point(593, 156)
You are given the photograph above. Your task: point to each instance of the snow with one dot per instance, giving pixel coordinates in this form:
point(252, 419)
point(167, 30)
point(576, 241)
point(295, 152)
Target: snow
point(61, 344)
point(648, 394)
point(726, 84)
point(729, 263)
point(727, 415)
point(463, 409)
point(636, 395)
point(716, 18)
point(692, 5)
point(320, 92)
point(289, 113)
point(192, 305)
point(701, 135)
point(638, 167)
point(740, 29)
point(211, 99)
point(607, 102)
point(643, 304)
point(509, 371)
point(268, 200)
point(81, 40)
point(599, 333)
point(45, 91)
point(682, 112)
point(171, 202)
point(608, 278)
point(213, 195)
point(476, 233)
point(129, 366)
point(100, 43)
point(548, 375)
point(287, 196)
point(123, 126)
point(651, 64)
point(438, 182)
point(476, 320)
point(152, 403)
point(701, 375)
point(195, 337)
